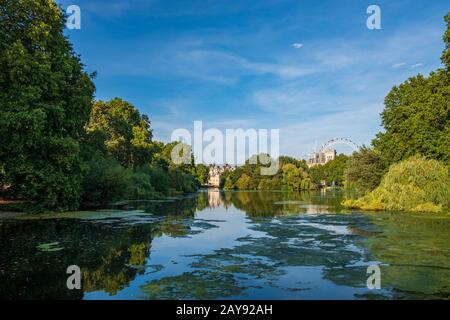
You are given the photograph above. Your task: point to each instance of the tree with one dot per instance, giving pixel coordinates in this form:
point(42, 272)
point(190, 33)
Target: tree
point(296, 179)
point(334, 170)
point(128, 134)
point(201, 173)
point(415, 184)
point(45, 99)
point(243, 182)
point(292, 176)
point(364, 170)
point(330, 173)
point(446, 54)
point(298, 163)
point(416, 117)
point(105, 181)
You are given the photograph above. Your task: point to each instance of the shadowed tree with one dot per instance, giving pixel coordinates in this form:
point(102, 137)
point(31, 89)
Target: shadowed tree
point(45, 100)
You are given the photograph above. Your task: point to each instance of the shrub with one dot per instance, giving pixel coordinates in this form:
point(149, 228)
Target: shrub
point(142, 187)
point(105, 181)
point(416, 184)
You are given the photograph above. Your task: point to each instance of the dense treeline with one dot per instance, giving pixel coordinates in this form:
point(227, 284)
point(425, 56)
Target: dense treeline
point(291, 176)
point(58, 147)
point(124, 163)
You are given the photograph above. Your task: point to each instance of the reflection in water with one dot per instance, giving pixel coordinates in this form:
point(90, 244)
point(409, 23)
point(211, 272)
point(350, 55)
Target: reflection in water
point(217, 244)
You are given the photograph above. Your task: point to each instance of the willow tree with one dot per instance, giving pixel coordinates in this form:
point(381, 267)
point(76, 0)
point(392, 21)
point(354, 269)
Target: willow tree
point(45, 99)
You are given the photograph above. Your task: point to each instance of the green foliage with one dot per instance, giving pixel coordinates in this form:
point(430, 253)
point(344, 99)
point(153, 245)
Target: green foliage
point(201, 173)
point(416, 184)
point(331, 173)
point(157, 177)
point(416, 117)
point(298, 163)
point(45, 98)
point(127, 132)
point(182, 181)
point(142, 186)
point(243, 182)
point(292, 175)
point(296, 179)
point(105, 181)
point(364, 170)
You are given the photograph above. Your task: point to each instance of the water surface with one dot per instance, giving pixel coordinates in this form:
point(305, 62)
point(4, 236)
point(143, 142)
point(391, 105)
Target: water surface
point(227, 245)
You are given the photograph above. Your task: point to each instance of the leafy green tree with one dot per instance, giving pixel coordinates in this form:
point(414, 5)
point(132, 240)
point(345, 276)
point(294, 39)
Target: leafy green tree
point(416, 117)
point(317, 174)
point(243, 182)
point(128, 134)
point(298, 163)
point(201, 173)
point(330, 173)
point(227, 183)
point(292, 176)
point(364, 170)
point(45, 99)
point(296, 179)
point(105, 181)
point(334, 170)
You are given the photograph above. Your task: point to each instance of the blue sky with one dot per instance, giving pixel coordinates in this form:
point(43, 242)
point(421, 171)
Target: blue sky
point(233, 64)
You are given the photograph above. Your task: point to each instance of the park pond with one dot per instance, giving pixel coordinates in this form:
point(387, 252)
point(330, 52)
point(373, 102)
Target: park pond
point(226, 245)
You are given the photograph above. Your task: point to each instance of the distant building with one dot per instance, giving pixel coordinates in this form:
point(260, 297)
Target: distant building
point(214, 174)
point(321, 157)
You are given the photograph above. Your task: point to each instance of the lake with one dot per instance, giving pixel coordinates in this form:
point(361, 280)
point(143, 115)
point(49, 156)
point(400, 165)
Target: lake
point(226, 245)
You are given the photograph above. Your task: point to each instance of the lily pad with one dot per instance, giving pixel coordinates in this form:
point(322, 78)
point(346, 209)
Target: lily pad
point(49, 247)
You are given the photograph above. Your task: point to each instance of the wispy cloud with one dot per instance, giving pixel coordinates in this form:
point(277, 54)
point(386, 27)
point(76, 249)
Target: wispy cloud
point(296, 71)
point(398, 65)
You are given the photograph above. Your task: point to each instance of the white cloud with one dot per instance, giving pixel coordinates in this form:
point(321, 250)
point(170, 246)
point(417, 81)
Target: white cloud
point(398, 65)
point(297, 45)
point(417, 65)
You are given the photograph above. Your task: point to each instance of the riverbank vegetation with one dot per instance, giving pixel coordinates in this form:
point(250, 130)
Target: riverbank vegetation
point(415, 184)
point(60, 149)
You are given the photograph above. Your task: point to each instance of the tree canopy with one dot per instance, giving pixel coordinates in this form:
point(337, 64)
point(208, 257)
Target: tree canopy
point(416, 117)
point(45, 99)
point(127, 132)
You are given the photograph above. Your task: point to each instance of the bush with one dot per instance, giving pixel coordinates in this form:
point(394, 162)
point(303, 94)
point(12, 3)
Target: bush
point(416, 184)
point(181, 181)
point(157, 177)
point(142, 187)
point(105, 181)
point(364, 170)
